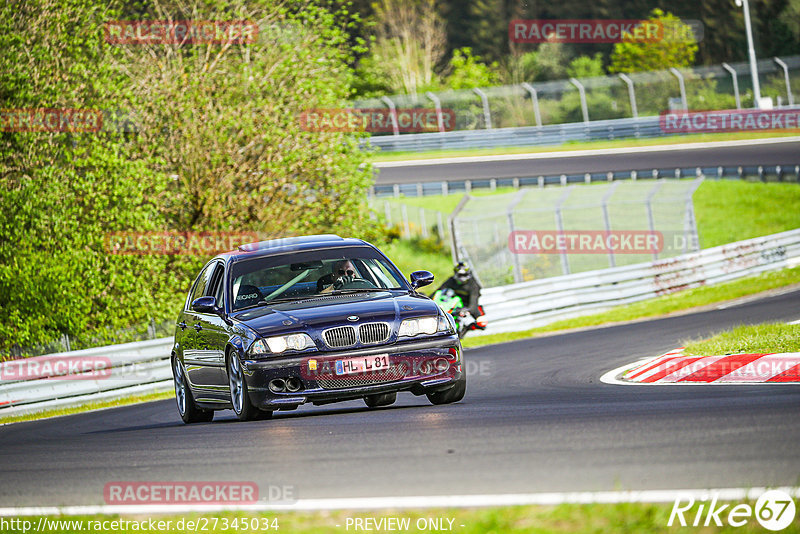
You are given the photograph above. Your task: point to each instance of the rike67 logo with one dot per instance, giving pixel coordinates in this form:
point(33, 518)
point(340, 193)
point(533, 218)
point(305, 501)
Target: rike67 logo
point(774, 510)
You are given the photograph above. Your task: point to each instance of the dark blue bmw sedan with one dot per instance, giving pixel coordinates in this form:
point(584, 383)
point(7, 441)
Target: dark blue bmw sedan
point(317, 319)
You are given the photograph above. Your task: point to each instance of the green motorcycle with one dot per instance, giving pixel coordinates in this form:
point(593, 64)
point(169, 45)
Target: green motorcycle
point(454, 305)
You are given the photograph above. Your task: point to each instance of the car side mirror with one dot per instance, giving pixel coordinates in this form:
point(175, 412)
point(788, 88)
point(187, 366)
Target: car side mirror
point(421, 278)
point(205, 305)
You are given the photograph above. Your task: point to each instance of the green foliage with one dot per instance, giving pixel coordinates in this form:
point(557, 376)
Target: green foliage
point(467, 71)
point(216, 145)
point(676, 49)
point(586, 66)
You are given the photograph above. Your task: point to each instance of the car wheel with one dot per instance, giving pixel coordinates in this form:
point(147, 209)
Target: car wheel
point(240, 398)
point(382, 399)
point(448, 396)
point(187, 409)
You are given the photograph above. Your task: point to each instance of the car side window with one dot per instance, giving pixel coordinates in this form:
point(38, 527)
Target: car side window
point(216, 286)
point(201, 284)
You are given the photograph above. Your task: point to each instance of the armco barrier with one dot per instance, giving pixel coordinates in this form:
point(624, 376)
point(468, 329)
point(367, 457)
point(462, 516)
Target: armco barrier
point(29, 385)
point(551, 134)
point(531, 304)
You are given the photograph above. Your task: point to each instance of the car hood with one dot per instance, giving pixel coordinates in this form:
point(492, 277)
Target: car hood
point(326, 312)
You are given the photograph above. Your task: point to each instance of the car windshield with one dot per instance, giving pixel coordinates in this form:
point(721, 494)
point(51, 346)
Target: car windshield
point(311, 274)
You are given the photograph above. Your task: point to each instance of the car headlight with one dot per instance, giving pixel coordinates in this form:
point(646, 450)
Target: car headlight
point(278, 344)
point(421, 325)
point(447, 324)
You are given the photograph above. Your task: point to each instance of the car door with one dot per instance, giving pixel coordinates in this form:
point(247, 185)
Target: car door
point(214, 333)
point(200, 356)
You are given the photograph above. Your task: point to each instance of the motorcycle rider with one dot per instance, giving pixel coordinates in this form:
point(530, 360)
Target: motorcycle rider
point(465, 286)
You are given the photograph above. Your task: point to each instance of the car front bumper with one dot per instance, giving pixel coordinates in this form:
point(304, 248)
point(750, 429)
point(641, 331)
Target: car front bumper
point(419, 366)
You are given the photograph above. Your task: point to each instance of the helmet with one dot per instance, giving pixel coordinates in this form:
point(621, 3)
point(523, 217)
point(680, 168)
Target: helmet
point(462, 272)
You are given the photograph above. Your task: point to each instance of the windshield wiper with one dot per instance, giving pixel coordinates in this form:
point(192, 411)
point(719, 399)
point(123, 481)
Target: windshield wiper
point(358, 290)
point(267, 302)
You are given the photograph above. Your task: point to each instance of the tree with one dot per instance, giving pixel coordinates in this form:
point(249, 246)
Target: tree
point(216, 144)
point(677, 48)
point(467, 71)
point(410, 43)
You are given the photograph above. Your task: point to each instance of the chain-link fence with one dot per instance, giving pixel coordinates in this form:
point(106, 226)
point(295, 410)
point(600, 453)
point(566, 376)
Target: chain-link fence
point(537, 233)
point(609, 97)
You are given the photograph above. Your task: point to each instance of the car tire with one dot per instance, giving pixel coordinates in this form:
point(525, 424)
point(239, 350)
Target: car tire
point(187, 408)
point(451, 395)
point(381, 399)
point(240, 397)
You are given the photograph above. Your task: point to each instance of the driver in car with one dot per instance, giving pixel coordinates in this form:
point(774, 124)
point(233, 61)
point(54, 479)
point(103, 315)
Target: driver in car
point(343, 273)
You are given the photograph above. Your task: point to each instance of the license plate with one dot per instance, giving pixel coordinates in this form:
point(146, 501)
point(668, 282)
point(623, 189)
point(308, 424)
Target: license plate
point(362, 364)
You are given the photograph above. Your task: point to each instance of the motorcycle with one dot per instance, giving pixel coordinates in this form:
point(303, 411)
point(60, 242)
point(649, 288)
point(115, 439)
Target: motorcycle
point(454, 305)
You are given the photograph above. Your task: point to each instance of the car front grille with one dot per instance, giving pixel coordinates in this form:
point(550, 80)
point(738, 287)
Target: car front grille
point(392, 374)
point(373, 332)
point(345, 336)
point(341, 336)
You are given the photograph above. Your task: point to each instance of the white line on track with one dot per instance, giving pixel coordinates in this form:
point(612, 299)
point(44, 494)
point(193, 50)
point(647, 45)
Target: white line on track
point(428, 501)
point(794, 322)
point(586, 153)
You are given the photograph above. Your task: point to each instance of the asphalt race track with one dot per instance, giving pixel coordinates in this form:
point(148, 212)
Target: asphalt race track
point(535, 419)
point(756, 154)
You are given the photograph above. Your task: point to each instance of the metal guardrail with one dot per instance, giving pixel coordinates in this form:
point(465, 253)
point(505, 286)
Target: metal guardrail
point(780, 173)
point(63, 379)
point(551, 134)
point(531, 304)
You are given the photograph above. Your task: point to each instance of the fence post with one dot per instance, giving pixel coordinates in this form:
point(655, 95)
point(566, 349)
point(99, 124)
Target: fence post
point(404, 214)
point(388, 210)
point(785, 68)
point(631, 94)
point(440, 225)
point(453, 228)
point(392, 114)
point(682, 84)
point(735, 79)
point(560, 226)
point(487, 116)
point(649, 205)
point(582, 91)
point(423, 223)
point(438, 105)
point(607, 220)
point(535, 100)
point(510, 215)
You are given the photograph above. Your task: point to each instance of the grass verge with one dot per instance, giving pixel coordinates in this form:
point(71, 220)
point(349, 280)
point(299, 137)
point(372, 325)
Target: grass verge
point(577, 145)
point(680, 301)
point(767, 337)
point(113, 403)
point(566, 518)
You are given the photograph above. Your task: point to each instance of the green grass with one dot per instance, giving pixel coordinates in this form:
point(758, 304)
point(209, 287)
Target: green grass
point(729, 211)
point(564, 518)
point(113, 403)
point(768, 337)
point(577, 145)
point(410, 259)
point(682, 300)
